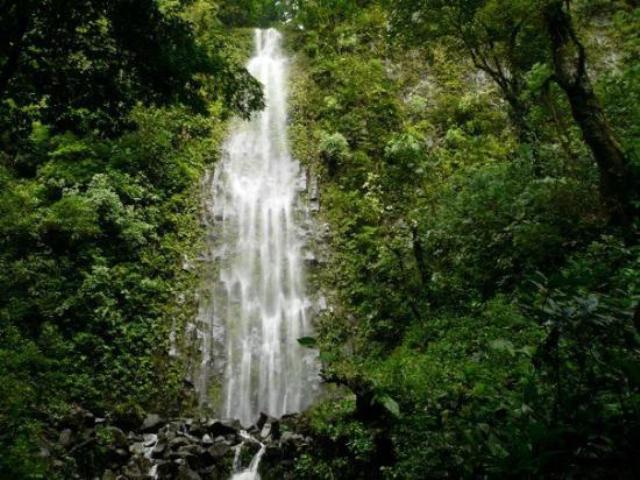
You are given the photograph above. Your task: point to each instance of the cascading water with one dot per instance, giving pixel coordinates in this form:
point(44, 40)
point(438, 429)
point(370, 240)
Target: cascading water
point(250, 473)
point(258, 307)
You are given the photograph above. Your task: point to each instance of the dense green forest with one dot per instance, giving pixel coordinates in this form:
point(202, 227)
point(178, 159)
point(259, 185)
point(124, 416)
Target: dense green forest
point(478, 165)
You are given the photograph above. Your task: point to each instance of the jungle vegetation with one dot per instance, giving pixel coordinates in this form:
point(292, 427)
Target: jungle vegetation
point(478, 163)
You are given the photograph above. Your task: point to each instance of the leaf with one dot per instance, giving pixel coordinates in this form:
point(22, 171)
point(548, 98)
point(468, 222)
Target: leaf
point(389, 404)
point(308, 342)
point(502, 345)
point(326, 357)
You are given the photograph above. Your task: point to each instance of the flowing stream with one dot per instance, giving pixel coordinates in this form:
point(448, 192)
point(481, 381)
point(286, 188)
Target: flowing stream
point(258, 307)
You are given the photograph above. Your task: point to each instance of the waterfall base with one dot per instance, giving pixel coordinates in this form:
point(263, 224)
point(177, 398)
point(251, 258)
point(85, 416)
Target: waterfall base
point(186, 448)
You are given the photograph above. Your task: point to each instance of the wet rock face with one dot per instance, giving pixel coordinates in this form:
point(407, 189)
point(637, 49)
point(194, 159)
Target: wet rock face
point(182, 449)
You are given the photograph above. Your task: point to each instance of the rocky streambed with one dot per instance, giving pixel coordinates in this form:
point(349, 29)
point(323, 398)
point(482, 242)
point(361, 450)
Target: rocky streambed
point(177, 448)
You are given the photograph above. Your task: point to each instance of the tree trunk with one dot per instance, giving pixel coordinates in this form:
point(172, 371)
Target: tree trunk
point(569, 60)
point(418, 253)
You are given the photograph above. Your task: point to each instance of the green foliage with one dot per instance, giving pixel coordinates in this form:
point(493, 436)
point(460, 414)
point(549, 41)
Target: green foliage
point(485, 316)
point(104, 58)
point(307, 342)
point(92, 255)
point(251, 13)
point(101, 155)
point(345, 444)
point(483, 310)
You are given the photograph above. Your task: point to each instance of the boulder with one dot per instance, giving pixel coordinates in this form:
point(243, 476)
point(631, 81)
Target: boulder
point(167, 470)
point(178, 442)
point(262, 420)
point(192, 449)
point(136, 448)
point(270, 430)
point(78, 417)
point(185, 473)
point(198, 428)
point(216, 427)
point(152, 423)
point(219, 450)
point(159, 450)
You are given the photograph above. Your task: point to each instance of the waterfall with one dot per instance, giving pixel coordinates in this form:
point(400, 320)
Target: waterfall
point(258, 307)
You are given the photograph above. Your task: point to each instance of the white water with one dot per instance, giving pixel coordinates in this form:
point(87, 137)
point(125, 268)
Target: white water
point(250, 473)
point(259, 308)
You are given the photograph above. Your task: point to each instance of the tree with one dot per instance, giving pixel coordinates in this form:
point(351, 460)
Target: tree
point(251, 13)
point(320, 14)
point(103, 57)
point(494, 34)
point(505, 39)
point(569, 60)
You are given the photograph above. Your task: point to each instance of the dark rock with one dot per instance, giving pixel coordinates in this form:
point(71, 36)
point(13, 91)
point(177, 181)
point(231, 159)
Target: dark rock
point(168, 435)
point(253, 430)
point(178, 442)
point(185, 473)
point(196, 459)
point(192, 449)
point(264, 418)
point(78, 417)
point(275, 430)
point(188, 449)
point(271, 430)
point(152, 423)
point(117, 456)
point(291, 442)
point(173, 427)
point(175, 456)
point(219, 450)
point(214, 472)
point(150, 440)
point(198, 428)
point(190, 437)
point(216, 427)
point(310, 259)
point(136, 448)
point(133, 471)
point(159, 450)
point(167, 470)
